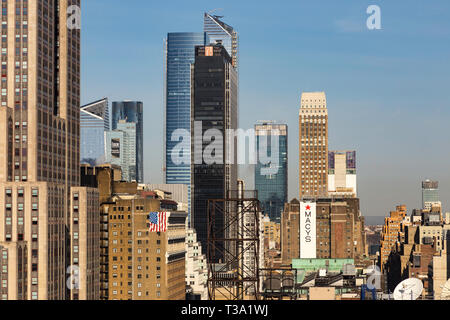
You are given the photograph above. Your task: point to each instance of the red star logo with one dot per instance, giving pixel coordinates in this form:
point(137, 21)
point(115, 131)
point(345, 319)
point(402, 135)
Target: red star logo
point(308, 208)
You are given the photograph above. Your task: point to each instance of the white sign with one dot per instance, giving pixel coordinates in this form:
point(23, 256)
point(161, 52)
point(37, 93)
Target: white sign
point(308, 233)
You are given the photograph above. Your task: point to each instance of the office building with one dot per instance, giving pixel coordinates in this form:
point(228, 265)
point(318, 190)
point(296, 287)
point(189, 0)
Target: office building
point(313, 145)
point(215, 106)
point(331, 228)
point(121, 149)
point(40, 147)
point(342, 173)
point(180, 54)
point(132, 112)
point(196, 267)
point(391, 229)
point(85, 242)
point(430, 195)
point(221, 33)
point(94, 123)
point(271, 179)
point(144, 265)
point(136, 263)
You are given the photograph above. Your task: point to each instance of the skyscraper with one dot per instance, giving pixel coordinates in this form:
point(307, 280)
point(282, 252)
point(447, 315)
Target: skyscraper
point(214, 110)
point(272, 186)
point(342, 173)
point(94, 122)
point(313, 145)
point(132, 111)
point(40, 147)
point(121, 149)
point(180, 54)
point(221, 33)
point(430, 194)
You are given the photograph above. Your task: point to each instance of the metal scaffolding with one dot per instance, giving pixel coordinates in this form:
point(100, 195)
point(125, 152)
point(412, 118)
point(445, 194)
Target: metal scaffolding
point(233, 235)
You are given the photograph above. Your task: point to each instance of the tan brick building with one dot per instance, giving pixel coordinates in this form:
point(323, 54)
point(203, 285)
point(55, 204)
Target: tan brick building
point(340, 229)
point(313, 145)
point(391, 229)
point(136, 264)
point(40, 142)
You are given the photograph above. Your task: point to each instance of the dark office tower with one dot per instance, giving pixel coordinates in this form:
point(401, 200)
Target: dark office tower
point(40, 197)
point(94, 123)
point(221, 33)
point(132, 111)
point(271, 179)
point(214, 106)
point(180, 54)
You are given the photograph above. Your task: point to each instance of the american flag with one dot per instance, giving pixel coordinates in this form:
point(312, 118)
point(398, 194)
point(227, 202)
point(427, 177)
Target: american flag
point(158, 221)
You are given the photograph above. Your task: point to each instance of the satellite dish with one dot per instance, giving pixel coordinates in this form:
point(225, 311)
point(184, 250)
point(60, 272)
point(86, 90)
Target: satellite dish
point(445, 294)
point(409, 289)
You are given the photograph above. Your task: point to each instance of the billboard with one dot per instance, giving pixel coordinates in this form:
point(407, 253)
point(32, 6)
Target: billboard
point(308, 234)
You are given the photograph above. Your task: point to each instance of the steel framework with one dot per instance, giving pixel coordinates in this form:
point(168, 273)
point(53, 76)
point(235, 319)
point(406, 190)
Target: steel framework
point(235, 239)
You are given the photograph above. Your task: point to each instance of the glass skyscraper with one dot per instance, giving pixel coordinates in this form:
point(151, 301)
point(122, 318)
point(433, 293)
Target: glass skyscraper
point(272, 188)
point(430, 194)
point(94, 122)
point(180, 54)
point(132, 112)
point(221, 33)
point(121, 149)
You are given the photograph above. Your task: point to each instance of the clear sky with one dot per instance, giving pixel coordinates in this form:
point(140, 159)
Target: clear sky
point(388, 90)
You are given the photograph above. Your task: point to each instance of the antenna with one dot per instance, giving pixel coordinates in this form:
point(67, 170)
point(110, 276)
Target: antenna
point(409, 289)
point(445, 294)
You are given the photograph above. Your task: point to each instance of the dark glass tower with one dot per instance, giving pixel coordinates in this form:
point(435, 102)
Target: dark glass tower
point(215, 106)
point(132, 111)
point(272, 188)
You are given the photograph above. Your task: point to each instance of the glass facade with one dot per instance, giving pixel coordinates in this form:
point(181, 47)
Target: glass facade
point(215, 106)
point(430, 192)
point(221, 33)
point(94, 122)
point(272, 188)
point(180, 54)
point(121, 149)
point(132, 112)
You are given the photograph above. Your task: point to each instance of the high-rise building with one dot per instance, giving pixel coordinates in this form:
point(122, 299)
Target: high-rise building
point(322, 228)
point(430, 194)
point(94, 123)
point(132, 112)
point(136, 263)
point(214, 110)
point(144, 265)
point(196, 267)
point(390, 236)
point(342, 173)
point(180, 54)
point(271, 179)
point(40, 147)
point(221, 33)
point(121, 149)
point(313, 145)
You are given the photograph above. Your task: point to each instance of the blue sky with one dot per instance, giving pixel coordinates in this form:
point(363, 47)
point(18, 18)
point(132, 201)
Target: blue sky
point(388, 90)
